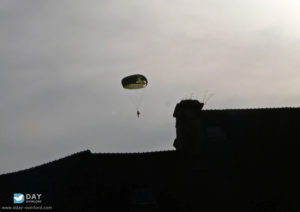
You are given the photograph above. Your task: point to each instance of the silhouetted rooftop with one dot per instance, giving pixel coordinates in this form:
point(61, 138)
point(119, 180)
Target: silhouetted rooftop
point(249, 162)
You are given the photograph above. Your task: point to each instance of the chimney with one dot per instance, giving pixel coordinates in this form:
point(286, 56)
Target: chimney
point(189, 127)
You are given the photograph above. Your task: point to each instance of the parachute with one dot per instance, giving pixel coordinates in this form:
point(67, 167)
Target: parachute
point(134, 84)
point(135, 81)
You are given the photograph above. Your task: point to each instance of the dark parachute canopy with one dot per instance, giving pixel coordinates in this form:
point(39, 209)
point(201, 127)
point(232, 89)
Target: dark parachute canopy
point(135, 81)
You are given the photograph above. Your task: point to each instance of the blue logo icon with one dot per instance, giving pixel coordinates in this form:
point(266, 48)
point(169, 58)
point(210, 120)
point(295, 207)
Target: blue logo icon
point(18, 198)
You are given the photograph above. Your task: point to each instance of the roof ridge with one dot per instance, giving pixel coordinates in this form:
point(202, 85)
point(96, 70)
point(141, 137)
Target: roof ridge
point(258, 108)
point(132, 153)
point(49, 163)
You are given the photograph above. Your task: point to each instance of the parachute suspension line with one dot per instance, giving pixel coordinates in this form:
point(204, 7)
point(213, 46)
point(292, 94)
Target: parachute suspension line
point(141, 98)
point(136, 98)
point(132, 100)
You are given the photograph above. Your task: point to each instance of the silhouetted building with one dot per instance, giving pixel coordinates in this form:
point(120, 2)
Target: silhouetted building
point(225, 160)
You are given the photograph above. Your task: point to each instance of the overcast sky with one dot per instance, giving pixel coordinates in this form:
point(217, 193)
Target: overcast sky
point(61, 64)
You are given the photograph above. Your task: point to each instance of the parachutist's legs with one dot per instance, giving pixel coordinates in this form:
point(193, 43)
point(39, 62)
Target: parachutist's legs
point(138, 113)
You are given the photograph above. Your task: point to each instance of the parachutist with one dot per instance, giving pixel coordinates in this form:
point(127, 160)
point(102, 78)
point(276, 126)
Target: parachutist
point(138, 113)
